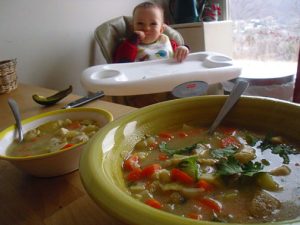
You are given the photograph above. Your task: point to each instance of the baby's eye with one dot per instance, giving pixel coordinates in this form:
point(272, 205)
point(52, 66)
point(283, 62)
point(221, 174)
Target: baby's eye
point(154, 24)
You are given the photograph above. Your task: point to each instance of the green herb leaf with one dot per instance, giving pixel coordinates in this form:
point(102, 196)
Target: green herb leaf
point(282, 150)
point(233, 166)
point(229, 167)
point(223, 152)
point(251, 168)
point(191, 167)
point(170, 152)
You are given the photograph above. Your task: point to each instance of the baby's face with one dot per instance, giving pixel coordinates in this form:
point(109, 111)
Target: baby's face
point(150, 21)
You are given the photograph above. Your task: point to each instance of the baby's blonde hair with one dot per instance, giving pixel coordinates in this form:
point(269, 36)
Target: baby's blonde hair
point(147, 5)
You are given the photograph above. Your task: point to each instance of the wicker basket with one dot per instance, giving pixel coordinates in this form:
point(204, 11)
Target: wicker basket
point(8, 76)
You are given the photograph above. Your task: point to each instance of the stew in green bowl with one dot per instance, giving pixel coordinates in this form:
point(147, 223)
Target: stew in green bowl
point(157, 165)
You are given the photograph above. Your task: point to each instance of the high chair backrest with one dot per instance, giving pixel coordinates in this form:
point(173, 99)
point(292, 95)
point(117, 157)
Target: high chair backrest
point(296, 97)
point(109, 34)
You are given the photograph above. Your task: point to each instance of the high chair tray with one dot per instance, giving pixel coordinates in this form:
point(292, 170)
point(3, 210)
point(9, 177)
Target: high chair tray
point(123, 79)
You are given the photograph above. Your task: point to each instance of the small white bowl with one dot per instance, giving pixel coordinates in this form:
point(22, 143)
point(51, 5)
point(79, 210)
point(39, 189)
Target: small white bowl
point(55, 163)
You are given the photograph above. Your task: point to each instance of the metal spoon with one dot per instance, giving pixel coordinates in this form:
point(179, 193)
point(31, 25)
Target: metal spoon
point(235, 94)
point(16, 112)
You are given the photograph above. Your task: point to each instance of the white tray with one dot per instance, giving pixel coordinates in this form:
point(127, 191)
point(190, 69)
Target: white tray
point(123, 79)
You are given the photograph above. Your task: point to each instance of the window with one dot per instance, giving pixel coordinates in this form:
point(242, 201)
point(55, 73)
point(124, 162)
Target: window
point(266, 40)
point(265, 30)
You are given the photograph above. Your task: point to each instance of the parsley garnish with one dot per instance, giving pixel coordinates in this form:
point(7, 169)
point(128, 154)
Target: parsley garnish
point(229, 167)
point(233, 166)
point(251, 168)
point(223, 152)
point(282, 150)
point(170, 152)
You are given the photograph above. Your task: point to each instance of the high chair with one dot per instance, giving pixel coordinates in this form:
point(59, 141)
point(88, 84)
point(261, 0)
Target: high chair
point(108, 36)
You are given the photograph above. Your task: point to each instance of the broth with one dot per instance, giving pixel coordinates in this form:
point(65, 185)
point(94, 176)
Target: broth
point(233, 175)
point(53, 136)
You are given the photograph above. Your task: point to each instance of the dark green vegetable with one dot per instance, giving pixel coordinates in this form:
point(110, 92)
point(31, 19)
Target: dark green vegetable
point(232, 166)
point(51, 100)
point(229, 167)
point(250, 169)
point(170, 152)
point(282, 150)
point(223, 152)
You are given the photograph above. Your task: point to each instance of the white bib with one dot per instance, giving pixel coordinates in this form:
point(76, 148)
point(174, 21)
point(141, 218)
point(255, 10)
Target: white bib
point(161, 49)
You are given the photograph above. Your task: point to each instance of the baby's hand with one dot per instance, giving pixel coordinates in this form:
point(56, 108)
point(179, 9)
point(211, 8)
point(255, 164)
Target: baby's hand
point(181, 53)
point(141, 35)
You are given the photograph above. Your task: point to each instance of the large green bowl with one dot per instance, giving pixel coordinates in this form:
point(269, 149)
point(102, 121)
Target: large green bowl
point(100, 164)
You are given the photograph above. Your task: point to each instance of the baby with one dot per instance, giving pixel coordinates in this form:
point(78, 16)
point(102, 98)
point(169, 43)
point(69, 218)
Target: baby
point(148, 41)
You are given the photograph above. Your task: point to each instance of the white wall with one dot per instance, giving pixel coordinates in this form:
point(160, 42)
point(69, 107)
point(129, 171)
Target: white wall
point(53, 39)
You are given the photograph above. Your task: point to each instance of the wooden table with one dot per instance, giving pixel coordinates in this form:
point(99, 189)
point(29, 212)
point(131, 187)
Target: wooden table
point(60, 200)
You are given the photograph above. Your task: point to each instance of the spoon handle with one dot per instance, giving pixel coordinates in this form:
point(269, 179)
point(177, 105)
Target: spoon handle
point(16, 112)
point(235, 94)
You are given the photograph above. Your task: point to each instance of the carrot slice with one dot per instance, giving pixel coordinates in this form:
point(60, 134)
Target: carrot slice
point(182, 134)
point(212, 204)
point(205, 185)
point(74, 125)
point(134, 175)
point(163, 156)
point(148, 171)
point(227, 130)
point(194, 216)
point(230, 140)
point(166, 135)
point(153, 145)
point(131, 163)
point(180, 176)
point(153, 203)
